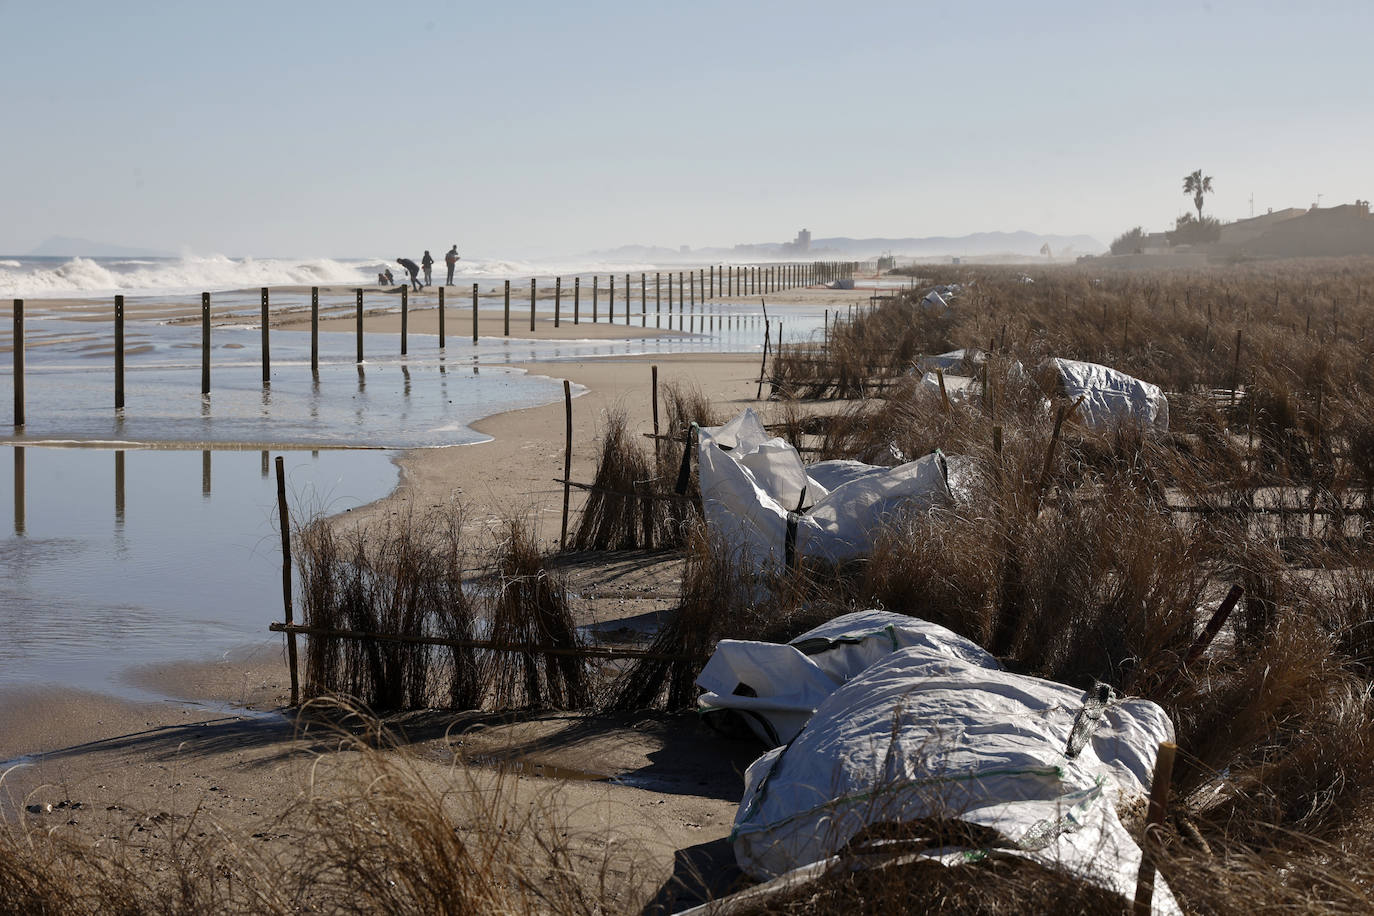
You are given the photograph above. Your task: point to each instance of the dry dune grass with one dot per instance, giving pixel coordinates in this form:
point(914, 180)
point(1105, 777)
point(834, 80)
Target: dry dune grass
point(371, 833)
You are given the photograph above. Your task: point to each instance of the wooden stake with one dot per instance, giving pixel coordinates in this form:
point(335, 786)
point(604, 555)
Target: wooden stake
point(1154, 825)
point(507, 312)
point(266, 348)
point(577, 299)
point(557, 300)
point(533, 295)
point(767, 337)
point(119, 353)
point(653, 374)
point(474, 313)
point(441, 318)
point(358, 293)
point(285, 518)
point(204, 343)
point(596, 295)
point(18, 366)
point(405, 312)
point(315, 330)
point(567, 462)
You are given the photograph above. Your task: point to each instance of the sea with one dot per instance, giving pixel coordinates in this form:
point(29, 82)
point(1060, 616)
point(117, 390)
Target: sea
point(148, 534)
point(81, 277)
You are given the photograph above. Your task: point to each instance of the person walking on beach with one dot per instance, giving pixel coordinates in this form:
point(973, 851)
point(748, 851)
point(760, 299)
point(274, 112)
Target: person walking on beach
point(451, 259)
point(413, 269)
point(428, 263)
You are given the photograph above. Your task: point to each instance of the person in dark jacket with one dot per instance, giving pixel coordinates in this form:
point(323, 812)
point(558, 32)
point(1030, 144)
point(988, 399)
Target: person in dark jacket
point(451, 259)
point(413, 269)
point(427, 263)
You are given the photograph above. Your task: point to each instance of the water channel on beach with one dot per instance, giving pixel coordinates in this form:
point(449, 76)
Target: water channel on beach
point(149, 534)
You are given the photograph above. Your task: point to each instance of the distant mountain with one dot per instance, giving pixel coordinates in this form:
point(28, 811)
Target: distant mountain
point(61, 246)
point(979, 244)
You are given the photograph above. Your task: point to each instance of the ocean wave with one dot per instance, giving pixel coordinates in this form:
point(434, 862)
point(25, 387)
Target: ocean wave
point(86, 276)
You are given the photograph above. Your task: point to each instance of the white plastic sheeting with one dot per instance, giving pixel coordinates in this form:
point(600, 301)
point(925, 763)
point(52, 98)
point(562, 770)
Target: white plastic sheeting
point(957, 387)
point(777, 688)
point(940, 297)
point(921, 732)
point(754, 488)
point(1109, 396)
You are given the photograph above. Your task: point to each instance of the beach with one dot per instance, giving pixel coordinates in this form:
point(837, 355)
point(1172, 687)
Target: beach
point(221, 748)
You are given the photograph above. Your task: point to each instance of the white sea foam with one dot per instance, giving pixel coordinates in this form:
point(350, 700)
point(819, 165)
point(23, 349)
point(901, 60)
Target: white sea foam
point(82, 277)
point(87, 276)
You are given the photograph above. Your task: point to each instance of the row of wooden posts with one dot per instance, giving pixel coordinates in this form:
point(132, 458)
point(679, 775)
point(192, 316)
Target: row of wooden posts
point(728, 280)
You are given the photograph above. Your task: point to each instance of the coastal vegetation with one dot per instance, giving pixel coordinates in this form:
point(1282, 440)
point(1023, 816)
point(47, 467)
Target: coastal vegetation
point(1076, 554)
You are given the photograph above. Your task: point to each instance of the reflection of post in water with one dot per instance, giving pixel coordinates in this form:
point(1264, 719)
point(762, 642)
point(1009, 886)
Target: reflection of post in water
point(205, 473)
point(405, 374)
point(266, 465)
point(119, 487)
point(362, 379)
point(18, 490)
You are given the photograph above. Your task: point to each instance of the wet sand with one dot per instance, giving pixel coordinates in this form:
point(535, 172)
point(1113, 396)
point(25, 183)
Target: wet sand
point(661, 784)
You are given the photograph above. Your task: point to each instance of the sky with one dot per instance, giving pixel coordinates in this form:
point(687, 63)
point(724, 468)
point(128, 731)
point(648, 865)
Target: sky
point(349, 129)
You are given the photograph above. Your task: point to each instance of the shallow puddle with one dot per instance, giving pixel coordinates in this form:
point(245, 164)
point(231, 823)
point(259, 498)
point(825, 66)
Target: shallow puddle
point(116, 558)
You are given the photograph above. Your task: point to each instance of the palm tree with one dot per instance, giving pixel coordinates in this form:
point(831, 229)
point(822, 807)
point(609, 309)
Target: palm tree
point(1197, 186)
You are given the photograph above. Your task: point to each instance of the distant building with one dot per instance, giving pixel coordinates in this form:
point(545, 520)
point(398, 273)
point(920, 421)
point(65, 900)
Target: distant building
point(799, 245)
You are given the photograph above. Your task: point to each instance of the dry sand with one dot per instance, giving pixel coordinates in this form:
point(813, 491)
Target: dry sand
point(663, 785)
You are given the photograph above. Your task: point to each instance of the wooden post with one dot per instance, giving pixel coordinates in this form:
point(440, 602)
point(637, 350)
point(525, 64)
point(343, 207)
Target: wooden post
point(711, 280)
point(653, 375)
point(266, 348)
point(567, 462)
point(204, 343)
point(441, 318)
point(18, 366)
point(643, 300)
point(119, 352)
point(627, 298)
point(596, 295)
point(692, 285)
point(358, 294)
point(474, 313)
point(1154, 825)
point(534, 293)
point(315, 330)
point(610, 299)
point(405, 313)
point(767, 336)
point(507, 312)
point(286, 577)
point(577, 299)
point(557, 299)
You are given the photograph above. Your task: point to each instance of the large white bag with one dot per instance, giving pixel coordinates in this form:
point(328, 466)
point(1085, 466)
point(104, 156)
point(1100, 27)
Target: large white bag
point(919, 734)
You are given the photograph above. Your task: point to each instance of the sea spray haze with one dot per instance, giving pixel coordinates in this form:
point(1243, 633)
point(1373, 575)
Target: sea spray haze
point(82, 277)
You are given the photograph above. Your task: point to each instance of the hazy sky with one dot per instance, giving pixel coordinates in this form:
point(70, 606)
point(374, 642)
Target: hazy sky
point(341, 129)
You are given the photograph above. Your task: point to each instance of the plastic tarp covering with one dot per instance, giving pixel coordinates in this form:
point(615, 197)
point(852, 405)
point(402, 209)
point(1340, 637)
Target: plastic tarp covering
point(920, 734)
point(941, 296)
point(954, 359)
point(755, 487)
point(776, 688)
point(957, 387)
point(1110, 396)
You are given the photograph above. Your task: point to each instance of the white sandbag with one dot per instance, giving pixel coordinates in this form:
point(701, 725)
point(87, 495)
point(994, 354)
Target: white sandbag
point(752, 485)
point(776, 688)
point(1110, 397)
point(921, 734)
